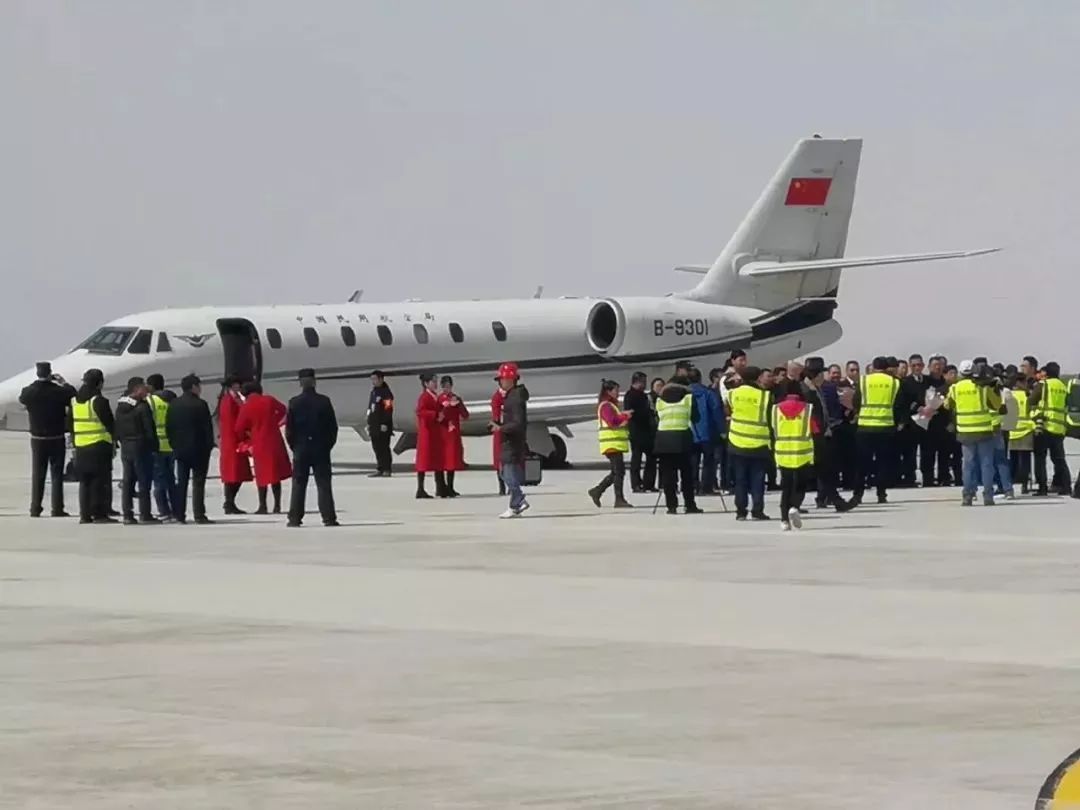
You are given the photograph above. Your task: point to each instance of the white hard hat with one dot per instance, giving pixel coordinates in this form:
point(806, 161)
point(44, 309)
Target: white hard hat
point(966, 368)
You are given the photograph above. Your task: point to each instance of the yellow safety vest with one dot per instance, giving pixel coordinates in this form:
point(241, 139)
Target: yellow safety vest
point(674, 416)
point(161, 409)
point(612, 439)
point(1072, 417)
point(1051, 407)
point(1025, 425)
point(87, 428)
point(973, 414)
point(794, 446)
point(877, 396)
point(749, 418)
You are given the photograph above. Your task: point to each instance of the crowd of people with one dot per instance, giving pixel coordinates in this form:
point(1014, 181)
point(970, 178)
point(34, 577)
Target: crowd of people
point(166, 442)
point(740, 430)
point(829, 428)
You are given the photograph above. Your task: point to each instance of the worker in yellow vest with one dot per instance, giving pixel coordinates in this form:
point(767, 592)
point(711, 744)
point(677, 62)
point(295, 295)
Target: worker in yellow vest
point(750, 443)
point(875, 403)
point(1047, 403)
point(1021, 437)
point(793, 448)
point(976, 409)
point(92, 428)
point(164, 464)
point(674, 441)
point(613, 431)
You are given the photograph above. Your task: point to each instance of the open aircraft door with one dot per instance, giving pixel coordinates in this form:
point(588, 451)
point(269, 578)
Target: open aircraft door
point(241, 347)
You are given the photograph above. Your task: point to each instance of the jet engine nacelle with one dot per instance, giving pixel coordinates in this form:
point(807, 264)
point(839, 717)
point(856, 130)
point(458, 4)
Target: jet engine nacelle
point(632, 327)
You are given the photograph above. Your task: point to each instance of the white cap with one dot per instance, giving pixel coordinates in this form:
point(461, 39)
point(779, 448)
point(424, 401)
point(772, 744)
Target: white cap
point(966, 368)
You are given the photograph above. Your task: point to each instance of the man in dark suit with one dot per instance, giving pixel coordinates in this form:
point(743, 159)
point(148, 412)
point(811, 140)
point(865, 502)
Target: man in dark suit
point(380, 420)
point(912, 439)
point(311, 431)
point(47, 400)
point(190, 430)
point(642, 427)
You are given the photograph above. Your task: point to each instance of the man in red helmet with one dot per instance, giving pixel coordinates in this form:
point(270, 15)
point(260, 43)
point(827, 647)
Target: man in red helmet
point(511, 427)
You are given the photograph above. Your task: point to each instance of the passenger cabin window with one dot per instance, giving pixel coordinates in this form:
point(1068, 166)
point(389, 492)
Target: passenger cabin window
point(141, 342)
point(457, 334)
point(348, 336)
point(386, 337)
point(311, 337)
point(420, 333)
point(498, 330)
point(163, 344)
point(108, 340)
point(273, 337)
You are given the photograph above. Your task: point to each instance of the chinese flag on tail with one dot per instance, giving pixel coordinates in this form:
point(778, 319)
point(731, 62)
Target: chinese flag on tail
point(808, 191)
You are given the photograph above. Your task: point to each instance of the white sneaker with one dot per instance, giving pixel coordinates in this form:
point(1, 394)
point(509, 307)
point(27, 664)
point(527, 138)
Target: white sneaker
point(523, 508)
point(509, 513)
point(794, 517)
point(785, 526)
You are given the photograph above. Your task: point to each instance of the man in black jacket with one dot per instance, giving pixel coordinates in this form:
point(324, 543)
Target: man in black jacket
point(825, 445)
point(47, 400)
point(912, 439)
point(938, 442)
point(380, 421)
point(513, 429)
point(93, 426)
point(642, 426)
point(190, 429)
point(137, 435)
point(311, 431)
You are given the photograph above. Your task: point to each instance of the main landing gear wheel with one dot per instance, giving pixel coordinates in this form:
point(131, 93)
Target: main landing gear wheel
point(557, 458)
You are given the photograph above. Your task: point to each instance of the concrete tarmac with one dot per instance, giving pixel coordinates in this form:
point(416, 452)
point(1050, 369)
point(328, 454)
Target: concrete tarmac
point(427, 655)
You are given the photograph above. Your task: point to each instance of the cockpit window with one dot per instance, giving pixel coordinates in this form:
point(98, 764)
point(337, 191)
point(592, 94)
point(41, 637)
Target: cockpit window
point(140, 344)
point(108, 340)
point(163, 344)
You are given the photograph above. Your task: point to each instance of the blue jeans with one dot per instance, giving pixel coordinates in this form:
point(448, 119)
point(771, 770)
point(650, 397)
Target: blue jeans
point(703, 461)
point(138, 473)
point(749, 482)
point(513, 475)
point(1002, 467)
point(979, 465)
point(164, 484)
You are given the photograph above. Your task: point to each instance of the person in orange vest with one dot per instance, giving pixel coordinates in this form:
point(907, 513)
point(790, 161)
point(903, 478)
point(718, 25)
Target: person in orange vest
point(614, 435)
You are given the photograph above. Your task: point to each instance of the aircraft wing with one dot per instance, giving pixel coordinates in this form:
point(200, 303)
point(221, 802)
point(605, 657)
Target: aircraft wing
point(561, 410)
point(777, 268)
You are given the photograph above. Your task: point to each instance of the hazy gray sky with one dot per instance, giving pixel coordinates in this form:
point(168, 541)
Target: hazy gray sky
point(180, 153)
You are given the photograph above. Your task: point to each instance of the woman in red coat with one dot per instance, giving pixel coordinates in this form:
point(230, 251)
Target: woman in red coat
point(454, 413)
point(496, 437)
point(259, 424)
point(234, 465)
point(428, 442)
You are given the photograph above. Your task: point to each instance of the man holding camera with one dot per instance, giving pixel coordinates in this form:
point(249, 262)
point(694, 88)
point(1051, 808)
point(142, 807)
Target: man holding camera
point(976, 404)
point(46, 401)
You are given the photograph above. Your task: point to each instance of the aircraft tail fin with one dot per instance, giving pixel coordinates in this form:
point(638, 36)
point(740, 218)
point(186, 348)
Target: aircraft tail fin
point(802, 215)
point(790, 247)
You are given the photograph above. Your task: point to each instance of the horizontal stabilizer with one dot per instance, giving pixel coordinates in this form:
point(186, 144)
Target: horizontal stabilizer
point(698, 269)
point(843, 262)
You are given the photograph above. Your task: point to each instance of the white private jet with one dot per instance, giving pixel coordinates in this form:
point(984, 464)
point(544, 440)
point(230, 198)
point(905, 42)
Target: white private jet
point(772, 291)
